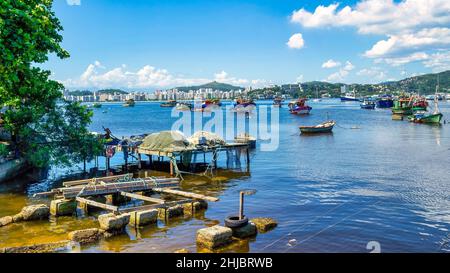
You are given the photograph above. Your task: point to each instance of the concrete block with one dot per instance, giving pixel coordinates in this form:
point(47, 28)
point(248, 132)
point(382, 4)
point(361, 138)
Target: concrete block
point(62, 207)
point(86, 236)
point(143, 218)
point(111, 222)
point(171, 212)
point(214, 237)
point(264, 224)
point(248, 230)
point(195, 207)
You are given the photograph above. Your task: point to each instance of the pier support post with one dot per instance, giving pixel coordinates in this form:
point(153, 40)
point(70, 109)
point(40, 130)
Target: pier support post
point(171, 168)
point(143, 218)
point(139, 161)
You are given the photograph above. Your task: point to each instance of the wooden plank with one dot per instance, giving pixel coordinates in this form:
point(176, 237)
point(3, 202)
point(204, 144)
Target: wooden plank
point(110, 188)
point(187, 194)
point(97, 204)
point(103, 179)
point(156, 206)
point(143, 198)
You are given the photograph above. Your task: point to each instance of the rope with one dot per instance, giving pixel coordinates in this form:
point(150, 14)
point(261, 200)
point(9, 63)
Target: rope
point(348, 128)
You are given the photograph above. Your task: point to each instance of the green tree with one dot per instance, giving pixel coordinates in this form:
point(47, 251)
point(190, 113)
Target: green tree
point(44, 129)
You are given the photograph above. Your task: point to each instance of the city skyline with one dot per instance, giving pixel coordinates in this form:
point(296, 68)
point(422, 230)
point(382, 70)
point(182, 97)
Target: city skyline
point(148, 45)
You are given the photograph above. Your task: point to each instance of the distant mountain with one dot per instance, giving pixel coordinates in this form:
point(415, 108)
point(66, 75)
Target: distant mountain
point(111, 91)
point(213, 85)
point(99, 92)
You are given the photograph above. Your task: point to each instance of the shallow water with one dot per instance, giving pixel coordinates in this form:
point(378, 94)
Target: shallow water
point(385, 182)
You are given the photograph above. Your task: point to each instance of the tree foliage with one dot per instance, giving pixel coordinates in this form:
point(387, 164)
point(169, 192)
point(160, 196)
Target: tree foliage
point(44, 129)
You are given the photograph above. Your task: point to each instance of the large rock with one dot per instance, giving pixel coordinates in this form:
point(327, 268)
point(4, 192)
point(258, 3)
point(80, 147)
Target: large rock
point(5, 221)
point(86, 236)
point(31, 213)
point(175, 211)
point(111, 222)
point(183, 250)
point(264, 224)
point(143, 218)
point(248, 230)
point(39, 248)
point(62, 207)
point(214, 237)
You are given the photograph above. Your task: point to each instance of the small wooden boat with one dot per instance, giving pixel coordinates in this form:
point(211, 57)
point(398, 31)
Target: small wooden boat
point(423, 117)
point(170, 103)
point(129, 103)
point(244, 106)
point(183, 106)
point(368, 104)
point(299, 107)
point(420, 117)
point(278, 102)
point(325, 127)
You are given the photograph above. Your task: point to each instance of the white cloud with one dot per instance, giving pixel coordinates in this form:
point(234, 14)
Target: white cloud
point(439, 61)
point(296, 41)
point(374, 73)
point(73, 2)
point(398, 61)
point(342, 73)
point(299, 79)
point(97, 76)
point(414, 29)
point(377, 16)
point(348, 66)
point(425, 38)
point(330, 64)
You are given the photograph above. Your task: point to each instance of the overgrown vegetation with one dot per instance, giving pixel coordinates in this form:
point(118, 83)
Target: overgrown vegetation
point(44, 129)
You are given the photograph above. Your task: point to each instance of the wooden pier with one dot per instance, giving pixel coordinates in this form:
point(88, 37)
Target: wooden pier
point(83, 192)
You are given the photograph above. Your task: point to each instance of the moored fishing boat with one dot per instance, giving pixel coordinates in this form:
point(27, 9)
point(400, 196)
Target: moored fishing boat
point(350, 96)
point(299, 107)
point(403, 106)
point(367, 104)
point(325, 127)
point(129, 103)
point(170, 103)
point(184, 106)
point(244, 105)
point(385, 101)
point(423, 117)
point(420, 105)
point(278, 102)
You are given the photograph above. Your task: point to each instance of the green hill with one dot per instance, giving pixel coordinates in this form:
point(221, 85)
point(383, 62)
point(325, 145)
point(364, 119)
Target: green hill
point(99, 92)
point(423, 84)
point(213, 85)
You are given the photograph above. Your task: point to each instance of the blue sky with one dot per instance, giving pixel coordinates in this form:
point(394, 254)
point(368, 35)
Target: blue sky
point(148, 45)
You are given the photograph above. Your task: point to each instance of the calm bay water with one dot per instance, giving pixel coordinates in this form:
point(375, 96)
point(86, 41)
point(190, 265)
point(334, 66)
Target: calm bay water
point(387, 182)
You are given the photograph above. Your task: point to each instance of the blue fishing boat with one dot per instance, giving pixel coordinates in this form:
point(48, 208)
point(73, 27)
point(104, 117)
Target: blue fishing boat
point(350, 96)
point(385, 101)
point(368, 104)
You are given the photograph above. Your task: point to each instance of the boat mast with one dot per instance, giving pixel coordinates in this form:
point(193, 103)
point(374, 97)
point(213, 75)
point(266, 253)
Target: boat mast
point(436, 107)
